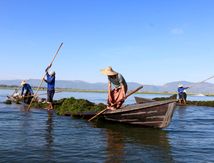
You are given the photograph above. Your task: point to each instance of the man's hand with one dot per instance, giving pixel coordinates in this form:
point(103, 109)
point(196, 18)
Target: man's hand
point(49, 66)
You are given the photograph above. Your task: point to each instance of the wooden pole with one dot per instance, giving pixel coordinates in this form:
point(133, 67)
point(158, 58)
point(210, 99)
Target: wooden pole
point(207, 79)
point(201, 81)
point(44, 77)
point(132, 92)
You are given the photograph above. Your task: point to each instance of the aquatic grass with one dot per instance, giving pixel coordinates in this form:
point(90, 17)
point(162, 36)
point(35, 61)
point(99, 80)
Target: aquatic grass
point(72, 106)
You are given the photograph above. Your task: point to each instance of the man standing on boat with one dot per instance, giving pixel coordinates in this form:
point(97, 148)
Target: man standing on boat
point(28, 95)
point(182, 94)
point(118, 93)
point(50, 86)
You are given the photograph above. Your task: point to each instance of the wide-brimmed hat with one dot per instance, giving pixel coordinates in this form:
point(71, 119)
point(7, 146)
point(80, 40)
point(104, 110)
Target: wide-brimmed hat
point(180, 85)
point(109, 71)
point(23, 82)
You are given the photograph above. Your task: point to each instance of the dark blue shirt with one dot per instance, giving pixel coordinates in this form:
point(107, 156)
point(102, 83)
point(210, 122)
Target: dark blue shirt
point(51, 82)
point(181, 89)
point(26, 87)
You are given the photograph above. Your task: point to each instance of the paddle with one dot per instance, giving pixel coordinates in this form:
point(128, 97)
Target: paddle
point(44, 77)
point(130, 93)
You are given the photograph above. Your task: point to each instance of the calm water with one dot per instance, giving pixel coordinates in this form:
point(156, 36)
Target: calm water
point(41, 136)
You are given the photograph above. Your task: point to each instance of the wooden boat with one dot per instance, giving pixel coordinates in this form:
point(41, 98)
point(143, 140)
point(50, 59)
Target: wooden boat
point(17, 100)
point(157, 114)
point(140, 100)
point(11, 99)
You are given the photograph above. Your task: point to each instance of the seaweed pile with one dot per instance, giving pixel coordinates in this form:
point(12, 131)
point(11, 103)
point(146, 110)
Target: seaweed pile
point(201, 103)
point(72, 106)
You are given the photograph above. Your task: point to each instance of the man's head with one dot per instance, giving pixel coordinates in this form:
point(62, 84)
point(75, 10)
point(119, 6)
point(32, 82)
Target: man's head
point(180, 85)
point(23, 82)
point(52, 73)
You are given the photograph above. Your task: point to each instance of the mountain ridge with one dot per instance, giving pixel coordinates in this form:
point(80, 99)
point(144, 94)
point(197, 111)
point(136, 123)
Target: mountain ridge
point(206, 88)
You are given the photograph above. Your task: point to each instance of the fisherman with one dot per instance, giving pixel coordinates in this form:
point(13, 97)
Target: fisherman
point(118, 93)
point(28, 95)
point(50, 75)
point(182, 94)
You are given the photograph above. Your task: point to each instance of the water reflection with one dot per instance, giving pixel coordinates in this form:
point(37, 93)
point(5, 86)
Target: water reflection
point(49, 134)
point(115, 147)
point(151, 145)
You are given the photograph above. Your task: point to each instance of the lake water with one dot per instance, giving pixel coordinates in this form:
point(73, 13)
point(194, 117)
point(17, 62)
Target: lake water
point(41, 136)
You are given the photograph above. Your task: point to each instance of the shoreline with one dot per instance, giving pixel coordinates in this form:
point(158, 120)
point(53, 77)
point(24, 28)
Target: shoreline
point(95, 91)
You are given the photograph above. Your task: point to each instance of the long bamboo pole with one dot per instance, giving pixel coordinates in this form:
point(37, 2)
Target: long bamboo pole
point(201, 82)
point(44, 77)
point(132, 92)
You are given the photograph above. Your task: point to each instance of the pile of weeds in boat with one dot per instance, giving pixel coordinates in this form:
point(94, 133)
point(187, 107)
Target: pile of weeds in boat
point(69, 106)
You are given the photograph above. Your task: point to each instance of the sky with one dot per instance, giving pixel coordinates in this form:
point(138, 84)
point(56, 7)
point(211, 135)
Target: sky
point(147, 41)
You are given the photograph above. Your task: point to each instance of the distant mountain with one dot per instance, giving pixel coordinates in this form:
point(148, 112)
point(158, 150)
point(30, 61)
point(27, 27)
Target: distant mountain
point(206, 88)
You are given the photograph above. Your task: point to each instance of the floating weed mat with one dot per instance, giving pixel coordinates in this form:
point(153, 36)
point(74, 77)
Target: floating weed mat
point(201, 103)
point(9, 102)
point(71, 106)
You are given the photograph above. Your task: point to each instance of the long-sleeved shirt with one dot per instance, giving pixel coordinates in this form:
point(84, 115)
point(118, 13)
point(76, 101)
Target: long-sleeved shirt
point(26, 87)
point(50, 82)
point(181, 89)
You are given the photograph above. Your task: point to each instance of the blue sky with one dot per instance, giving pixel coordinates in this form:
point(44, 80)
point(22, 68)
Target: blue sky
point(148, 41)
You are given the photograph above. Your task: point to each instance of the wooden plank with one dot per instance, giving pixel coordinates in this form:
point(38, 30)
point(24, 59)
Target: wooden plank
point(151, 122)
point(154, 117)
point(168, 115)
point(121, 120)
point(140, 100)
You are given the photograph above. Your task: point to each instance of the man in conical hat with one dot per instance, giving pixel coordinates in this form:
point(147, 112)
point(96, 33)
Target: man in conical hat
point(120, 88)
point(26, 92)
point(50, 80)
point(182, 93)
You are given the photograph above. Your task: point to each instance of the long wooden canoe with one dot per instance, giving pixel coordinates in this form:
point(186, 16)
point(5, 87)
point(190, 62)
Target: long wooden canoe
point(156, 114)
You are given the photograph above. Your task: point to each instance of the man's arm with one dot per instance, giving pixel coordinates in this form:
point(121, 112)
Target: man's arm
point(22, 91)
point(123, 90)
point(49, 66)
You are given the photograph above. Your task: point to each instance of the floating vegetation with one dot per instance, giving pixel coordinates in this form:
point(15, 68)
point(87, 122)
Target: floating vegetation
point(8, 102)
point(71, 106)
point(201, 103)
point(39, 104)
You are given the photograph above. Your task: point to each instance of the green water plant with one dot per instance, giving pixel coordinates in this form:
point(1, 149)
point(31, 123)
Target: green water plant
point(73, 106)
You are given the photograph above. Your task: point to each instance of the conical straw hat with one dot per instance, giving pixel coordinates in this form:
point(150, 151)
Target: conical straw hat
point(108, 71)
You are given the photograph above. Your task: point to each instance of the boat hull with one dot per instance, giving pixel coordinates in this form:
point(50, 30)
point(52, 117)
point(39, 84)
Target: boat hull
point(157, 114)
